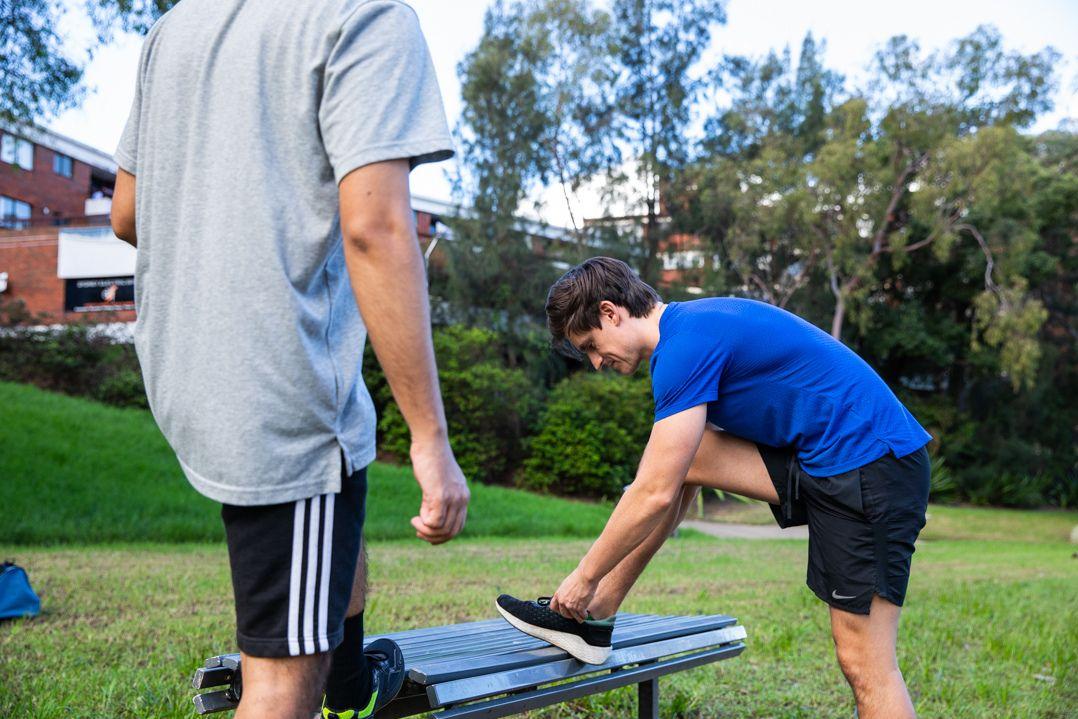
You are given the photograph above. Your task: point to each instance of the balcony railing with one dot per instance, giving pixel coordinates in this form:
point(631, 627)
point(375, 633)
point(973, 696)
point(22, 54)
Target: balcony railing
point(12, 223)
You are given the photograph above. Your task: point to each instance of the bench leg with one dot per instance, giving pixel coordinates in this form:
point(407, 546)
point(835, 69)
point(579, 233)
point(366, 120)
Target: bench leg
point(648, 697)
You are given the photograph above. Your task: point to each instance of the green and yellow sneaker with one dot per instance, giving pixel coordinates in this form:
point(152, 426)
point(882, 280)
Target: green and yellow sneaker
point(386, 662)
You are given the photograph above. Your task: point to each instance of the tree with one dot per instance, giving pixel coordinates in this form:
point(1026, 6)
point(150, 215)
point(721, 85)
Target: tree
point(38, 77)
point(656, 45)
point(560, 92)
point(797, 179)
point(913, 179)
point(748, 199)
point(533, 113)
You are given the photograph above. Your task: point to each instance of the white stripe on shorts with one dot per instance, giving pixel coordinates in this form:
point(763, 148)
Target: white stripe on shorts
point(294, 584)
point(311, 580)
point(323, 591)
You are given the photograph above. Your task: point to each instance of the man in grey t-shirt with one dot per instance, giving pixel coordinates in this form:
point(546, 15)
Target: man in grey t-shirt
point(264, 178)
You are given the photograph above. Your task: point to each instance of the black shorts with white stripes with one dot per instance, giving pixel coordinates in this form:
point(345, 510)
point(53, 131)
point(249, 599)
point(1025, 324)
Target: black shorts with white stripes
point(292, 569)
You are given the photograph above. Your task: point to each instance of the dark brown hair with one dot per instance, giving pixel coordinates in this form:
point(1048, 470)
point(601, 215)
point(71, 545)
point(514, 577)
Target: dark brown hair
point(572, 305)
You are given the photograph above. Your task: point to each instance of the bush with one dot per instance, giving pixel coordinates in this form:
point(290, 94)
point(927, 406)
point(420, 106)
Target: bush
point(591, 436)
point(72, 359)
point(123, 388)
point(489, 407)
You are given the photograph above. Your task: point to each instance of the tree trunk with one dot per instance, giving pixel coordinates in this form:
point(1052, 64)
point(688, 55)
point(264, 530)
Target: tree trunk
point(840, 314)
point(839, 291)
point(650, 270)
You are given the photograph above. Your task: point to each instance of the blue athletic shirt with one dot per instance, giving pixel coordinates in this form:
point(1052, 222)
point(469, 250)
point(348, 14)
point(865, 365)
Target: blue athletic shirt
point(769, 376)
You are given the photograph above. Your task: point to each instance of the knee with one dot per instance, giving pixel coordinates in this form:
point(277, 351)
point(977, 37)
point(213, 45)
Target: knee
point(855, 665)
point(863, 667)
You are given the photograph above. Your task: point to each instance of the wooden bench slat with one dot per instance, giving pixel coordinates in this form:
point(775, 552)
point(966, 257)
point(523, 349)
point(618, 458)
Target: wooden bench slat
point(461, 667)
point(516, 703)
point(487, 685)
point(409, 636)
point(211, 677)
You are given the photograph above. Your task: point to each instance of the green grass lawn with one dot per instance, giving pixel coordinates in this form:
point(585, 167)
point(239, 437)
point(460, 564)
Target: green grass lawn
point(990, 628)
point(76, 471)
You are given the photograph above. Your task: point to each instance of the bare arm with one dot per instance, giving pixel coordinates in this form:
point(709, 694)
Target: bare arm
point(654, 497)
point(390, 285)
point(122, 214)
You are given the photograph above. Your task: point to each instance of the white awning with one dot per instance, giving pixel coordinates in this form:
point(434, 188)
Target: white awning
point(93, 252)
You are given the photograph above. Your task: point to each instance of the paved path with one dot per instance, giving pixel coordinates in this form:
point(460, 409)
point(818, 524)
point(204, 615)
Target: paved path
point(746, 531)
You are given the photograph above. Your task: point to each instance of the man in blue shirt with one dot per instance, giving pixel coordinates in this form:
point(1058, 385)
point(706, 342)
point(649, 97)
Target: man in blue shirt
point(753, 400)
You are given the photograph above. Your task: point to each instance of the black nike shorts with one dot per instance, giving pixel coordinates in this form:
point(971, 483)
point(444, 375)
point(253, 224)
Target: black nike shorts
point(862, 524)
point(292, 569)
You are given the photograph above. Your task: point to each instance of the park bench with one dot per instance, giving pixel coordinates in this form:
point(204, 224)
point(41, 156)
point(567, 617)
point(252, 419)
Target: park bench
point(489, 669)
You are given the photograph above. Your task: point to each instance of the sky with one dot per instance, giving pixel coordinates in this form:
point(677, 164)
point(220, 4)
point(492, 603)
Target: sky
point(851, 29)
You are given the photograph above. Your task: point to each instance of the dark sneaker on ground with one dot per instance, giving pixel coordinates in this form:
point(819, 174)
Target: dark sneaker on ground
point(386, 661)
point(588, 641)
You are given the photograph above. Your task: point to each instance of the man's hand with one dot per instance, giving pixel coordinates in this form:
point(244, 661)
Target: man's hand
point(574, 596)
point(445, 493)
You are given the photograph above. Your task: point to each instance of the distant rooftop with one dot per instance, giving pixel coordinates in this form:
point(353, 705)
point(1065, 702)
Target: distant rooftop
point(65, 145)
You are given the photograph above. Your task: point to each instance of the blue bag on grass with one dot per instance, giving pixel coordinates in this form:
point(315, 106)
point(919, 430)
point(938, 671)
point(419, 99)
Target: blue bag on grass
point(17, 599)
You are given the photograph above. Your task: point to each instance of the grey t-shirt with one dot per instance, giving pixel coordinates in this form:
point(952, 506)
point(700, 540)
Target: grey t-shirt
point(246, 117)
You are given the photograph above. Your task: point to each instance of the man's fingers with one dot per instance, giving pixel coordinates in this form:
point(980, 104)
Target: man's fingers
point(561, 608)
point(433, 511)
point(565, 609)
point(462, 517)
point(455, 520)
point(427, 533)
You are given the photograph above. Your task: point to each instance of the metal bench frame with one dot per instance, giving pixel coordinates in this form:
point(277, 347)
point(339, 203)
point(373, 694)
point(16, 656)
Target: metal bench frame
point(489, 669)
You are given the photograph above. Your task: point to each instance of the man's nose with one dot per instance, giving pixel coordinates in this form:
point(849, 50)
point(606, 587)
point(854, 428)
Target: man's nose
point(596, 360)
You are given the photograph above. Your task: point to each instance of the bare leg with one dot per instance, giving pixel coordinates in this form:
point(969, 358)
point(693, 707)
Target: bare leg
point(733, 465)
point(865, 647)
point(286, 688)
point(724, 462)
point(359, 584)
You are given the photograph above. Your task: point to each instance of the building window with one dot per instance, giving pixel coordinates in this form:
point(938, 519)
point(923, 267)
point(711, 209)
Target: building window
point(14, 214)
point(17, 151)
point(62, 164)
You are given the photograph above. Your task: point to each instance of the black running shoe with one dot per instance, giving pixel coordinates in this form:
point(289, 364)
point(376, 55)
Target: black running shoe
point(386, 661)
point(588, 641)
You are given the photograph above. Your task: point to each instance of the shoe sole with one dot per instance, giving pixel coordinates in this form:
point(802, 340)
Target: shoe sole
point(571, 643)
point(393, 650)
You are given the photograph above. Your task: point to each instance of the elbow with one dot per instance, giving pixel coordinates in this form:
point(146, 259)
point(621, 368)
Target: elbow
point(660, 500)
point(123, 227)
point(365, 236)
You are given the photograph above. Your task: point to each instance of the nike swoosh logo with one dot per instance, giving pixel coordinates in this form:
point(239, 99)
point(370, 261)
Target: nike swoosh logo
point(836, 595)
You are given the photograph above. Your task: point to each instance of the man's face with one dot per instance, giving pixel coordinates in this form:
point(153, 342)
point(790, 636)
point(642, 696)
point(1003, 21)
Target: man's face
point(611, 346)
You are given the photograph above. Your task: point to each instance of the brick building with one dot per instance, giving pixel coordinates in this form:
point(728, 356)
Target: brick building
point(48, 179)
point(57, 252)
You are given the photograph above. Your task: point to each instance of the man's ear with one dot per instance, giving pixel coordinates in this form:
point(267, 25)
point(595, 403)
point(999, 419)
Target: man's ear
point(609, 310)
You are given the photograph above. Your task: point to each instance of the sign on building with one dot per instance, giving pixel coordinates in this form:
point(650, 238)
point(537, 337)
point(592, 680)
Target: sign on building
point(99, 294)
